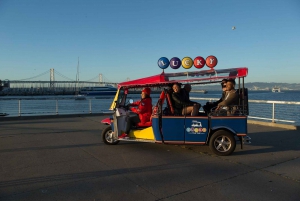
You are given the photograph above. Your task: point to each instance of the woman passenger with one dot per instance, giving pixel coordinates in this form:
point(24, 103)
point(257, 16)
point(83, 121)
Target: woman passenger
point(181, 106)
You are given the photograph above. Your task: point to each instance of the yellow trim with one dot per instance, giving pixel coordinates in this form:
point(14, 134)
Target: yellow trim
point(146, 133)
point(113, 104)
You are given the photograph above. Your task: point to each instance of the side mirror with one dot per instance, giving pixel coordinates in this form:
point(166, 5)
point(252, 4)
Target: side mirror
point(130, 101)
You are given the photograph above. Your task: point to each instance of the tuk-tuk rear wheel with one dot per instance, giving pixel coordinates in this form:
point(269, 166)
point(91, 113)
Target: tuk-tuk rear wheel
point(222, 143)
point(107, 137)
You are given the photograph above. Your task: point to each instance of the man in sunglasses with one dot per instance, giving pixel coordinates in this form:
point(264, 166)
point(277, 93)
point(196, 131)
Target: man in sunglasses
point(209, 105)
point(231, 98)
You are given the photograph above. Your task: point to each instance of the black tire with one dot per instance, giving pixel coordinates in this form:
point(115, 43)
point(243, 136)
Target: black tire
point(222, 143)
point(107, 137)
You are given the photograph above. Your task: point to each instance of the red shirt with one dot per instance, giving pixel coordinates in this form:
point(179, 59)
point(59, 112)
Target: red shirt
point(144, 109)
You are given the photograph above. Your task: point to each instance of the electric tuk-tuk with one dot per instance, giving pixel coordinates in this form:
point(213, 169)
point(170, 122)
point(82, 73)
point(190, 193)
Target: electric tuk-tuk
point(220, 131)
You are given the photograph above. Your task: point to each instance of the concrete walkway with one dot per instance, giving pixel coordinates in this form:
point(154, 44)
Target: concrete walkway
point(64, 159)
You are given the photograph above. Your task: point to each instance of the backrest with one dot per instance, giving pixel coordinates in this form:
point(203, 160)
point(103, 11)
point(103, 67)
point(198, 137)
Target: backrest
point(169, 101)
point(162, 97)
point(243, 101)
point(157, 108)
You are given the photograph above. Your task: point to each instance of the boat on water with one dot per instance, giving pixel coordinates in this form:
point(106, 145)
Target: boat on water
point(276, 89)
point(80, 97)
point(96, 91)
point(199, 91)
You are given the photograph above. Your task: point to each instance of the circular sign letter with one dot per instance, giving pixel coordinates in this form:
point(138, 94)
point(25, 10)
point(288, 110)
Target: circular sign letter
point(175, 63)
point(211, 61)
point(187, 62)
point(199, 62)
point(163, 63)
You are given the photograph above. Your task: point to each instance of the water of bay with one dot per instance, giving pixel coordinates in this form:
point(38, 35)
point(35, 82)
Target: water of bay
point(45, 105)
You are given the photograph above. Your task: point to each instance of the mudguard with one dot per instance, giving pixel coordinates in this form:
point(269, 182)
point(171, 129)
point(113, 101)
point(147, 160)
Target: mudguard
point(106, 121)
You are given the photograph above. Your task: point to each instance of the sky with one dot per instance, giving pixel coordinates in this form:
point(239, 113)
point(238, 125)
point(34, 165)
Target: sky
point(124, 39)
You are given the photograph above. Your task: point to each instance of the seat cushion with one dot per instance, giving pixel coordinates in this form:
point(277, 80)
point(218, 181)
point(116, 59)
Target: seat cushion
point(147, 124)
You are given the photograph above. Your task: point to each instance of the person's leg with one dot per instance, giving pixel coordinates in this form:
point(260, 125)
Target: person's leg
point(187, 110)
point(128, 125)
point(131, 120)
point(209, 106)
point(195, 110)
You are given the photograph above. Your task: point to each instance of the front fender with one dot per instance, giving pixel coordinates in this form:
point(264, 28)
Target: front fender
point(106, 121)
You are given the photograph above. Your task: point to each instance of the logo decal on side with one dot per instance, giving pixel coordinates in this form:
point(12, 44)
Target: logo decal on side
point(196, 128)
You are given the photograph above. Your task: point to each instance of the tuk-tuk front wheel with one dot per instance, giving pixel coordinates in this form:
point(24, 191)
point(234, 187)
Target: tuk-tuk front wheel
point(222, 143)
point(107, 136)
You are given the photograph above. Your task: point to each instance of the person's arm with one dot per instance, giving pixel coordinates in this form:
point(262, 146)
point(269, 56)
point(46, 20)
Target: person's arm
point(231, 99)
point(145, 105)
point(134, 104)
point(221, 99)
point(176, 98)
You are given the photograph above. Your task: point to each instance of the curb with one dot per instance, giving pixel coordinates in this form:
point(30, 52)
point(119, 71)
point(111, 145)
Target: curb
point(51, 116)
point(271, 124)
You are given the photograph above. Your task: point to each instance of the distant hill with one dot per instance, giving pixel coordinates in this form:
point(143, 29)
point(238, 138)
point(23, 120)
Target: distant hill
point(270, 85)
point(266, 86)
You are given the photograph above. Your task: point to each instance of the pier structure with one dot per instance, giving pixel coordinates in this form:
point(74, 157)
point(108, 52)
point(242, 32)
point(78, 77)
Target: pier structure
point(64, 158)
point(57, 84)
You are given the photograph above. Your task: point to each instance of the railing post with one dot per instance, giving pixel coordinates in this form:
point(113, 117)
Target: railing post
point(56, 107)
point(90, 106)
point(19, 107)
point(273, 113)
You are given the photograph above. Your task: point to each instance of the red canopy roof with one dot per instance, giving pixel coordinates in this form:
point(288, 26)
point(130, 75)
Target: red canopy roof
point(195, 77)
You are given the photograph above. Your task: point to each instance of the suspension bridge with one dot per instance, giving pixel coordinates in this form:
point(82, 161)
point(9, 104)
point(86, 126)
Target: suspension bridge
point(51, 82)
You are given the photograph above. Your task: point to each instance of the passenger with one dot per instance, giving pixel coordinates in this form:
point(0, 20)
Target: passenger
point(186, 94)
point(231, 97)
point(209, 105)
point(181, 106)
point(143, 111)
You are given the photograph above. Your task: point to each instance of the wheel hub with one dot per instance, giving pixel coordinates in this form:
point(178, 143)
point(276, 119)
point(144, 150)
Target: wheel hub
point(222, 144)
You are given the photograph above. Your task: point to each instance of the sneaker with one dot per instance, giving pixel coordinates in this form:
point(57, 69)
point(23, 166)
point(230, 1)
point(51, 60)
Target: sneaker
point(123, 136)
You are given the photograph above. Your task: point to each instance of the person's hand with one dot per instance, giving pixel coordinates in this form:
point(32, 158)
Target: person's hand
point(127, 106)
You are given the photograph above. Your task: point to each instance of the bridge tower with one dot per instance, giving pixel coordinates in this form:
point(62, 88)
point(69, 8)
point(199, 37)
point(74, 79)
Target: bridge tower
point(52, 79)
point(100, 77)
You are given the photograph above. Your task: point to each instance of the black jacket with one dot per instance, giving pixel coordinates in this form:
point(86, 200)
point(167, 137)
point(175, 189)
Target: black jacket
point(179, 102)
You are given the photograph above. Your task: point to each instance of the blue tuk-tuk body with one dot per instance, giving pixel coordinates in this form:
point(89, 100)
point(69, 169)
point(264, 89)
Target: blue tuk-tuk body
point(196, 130)
point(218, 130)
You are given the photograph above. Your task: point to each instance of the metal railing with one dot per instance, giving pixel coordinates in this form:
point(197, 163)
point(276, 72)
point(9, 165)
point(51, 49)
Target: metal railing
point(272, 111)
point(52, 106)
point(286, 111)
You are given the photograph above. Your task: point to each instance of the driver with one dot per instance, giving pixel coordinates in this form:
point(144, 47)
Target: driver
point(143, 111)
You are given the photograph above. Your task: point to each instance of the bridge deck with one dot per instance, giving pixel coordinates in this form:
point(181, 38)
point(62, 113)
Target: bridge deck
point(64, 159)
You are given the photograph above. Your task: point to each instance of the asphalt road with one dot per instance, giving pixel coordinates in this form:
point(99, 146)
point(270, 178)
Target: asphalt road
point(64, 159)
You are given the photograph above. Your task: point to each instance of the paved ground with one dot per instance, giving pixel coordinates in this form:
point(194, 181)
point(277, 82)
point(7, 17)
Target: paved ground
point(64, 159)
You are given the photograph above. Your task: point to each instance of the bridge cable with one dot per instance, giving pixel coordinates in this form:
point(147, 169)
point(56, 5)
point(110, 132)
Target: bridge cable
point(47, 72)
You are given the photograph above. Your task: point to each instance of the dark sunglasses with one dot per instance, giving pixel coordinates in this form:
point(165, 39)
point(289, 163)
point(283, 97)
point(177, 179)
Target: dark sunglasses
point(223, 86)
